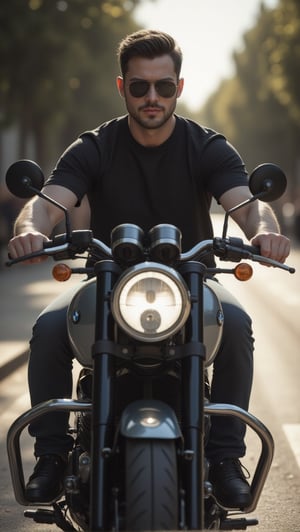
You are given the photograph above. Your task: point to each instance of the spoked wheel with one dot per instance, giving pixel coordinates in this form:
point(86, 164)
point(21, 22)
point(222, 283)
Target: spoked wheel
point(151, 485)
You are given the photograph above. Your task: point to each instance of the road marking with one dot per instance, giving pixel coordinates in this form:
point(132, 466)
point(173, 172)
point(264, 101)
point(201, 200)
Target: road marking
point(292, 432)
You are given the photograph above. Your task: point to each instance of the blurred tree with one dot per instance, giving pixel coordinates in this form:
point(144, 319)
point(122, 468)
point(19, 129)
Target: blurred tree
point(58, 64)
point(259, 108)
point(259, 117)
point(283, 56)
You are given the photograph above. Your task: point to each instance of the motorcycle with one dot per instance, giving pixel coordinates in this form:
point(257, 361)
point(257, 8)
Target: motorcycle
point(145, 325)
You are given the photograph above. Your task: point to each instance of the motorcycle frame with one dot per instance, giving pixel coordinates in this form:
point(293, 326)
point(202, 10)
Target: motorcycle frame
point(194, 407)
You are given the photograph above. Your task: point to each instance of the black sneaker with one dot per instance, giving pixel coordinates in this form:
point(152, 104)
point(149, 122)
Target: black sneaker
point(45, 484)
point(230, 486)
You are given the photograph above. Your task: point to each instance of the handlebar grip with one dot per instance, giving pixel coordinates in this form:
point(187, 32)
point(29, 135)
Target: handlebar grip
point(254, 250)
point(58, 240)
point(47, 244)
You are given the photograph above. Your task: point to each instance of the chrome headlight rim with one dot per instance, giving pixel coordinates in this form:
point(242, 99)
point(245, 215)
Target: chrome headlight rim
point(169, 273)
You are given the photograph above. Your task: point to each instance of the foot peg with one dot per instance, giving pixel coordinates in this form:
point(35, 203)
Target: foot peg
point(238, 524)
point(50, 517)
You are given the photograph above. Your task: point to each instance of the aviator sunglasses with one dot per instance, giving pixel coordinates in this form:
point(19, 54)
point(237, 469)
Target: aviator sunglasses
point(163, 87)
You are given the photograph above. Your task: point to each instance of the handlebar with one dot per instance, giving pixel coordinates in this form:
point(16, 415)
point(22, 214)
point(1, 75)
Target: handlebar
point(232, 249)
point(228, 249)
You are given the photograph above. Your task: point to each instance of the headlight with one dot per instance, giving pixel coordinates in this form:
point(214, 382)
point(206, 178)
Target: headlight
point(150, 302)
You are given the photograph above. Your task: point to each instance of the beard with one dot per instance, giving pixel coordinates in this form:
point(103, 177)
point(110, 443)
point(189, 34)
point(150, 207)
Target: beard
point(149, 121)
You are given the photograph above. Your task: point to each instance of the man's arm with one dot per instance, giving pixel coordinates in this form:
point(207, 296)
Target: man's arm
point(37, 220)
point(258, 222)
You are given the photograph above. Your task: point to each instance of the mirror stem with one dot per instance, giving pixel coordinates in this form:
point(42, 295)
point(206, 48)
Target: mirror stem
point(58, 205)
point(239, 206)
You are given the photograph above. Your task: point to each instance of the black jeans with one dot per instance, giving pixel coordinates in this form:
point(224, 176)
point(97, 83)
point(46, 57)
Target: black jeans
point(50, 376)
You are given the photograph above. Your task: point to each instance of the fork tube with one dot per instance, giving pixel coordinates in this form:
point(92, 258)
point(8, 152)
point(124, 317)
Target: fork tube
point(193, 372)
point(102, 399)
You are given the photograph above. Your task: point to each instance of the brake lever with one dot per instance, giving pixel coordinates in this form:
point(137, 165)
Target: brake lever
point(48, 251)
point(271, 262)
point(11, 262)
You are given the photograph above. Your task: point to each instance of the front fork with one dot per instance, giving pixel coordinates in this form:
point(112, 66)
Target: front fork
point(102, 397)
point(193, 398)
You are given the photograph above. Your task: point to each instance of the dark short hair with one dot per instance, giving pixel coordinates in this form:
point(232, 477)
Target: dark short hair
point(148, 44)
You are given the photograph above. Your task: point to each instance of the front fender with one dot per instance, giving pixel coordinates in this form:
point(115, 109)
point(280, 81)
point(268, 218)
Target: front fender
point(149, 419)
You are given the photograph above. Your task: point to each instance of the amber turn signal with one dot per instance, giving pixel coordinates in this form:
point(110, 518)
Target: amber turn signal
point(243, 271)
point(61, 272)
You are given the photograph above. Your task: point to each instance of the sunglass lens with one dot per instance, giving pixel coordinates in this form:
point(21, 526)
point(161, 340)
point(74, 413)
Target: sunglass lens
point(139, 88)
point(165, 88)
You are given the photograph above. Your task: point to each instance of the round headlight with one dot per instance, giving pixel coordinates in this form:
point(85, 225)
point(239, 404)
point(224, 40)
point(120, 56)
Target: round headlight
point(150, 302)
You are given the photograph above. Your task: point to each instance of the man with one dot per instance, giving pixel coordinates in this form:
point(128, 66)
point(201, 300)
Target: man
point(148, 167)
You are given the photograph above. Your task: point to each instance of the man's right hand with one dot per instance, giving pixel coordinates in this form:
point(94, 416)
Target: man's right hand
point(26, 243)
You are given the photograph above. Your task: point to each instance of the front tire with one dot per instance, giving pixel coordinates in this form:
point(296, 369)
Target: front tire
point(151, 485)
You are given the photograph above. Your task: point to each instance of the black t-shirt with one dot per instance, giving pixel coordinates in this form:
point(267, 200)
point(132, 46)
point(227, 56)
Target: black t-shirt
point(130, 183)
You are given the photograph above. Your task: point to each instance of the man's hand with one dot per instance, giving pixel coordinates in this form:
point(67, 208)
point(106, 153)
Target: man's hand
point(272, 245)
point(26, 243)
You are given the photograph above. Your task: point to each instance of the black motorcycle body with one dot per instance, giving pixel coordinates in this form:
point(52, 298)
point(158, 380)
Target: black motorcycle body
point(142, 412)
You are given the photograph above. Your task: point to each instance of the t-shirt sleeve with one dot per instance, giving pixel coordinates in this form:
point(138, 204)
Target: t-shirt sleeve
point(78, 167)
point(224, 168)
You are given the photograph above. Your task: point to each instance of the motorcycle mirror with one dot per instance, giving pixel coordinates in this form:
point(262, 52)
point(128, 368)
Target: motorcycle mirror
point(24, 178)
point(267, 182)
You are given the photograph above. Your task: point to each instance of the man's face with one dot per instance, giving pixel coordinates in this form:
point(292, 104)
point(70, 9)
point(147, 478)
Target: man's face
point(152, 109)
